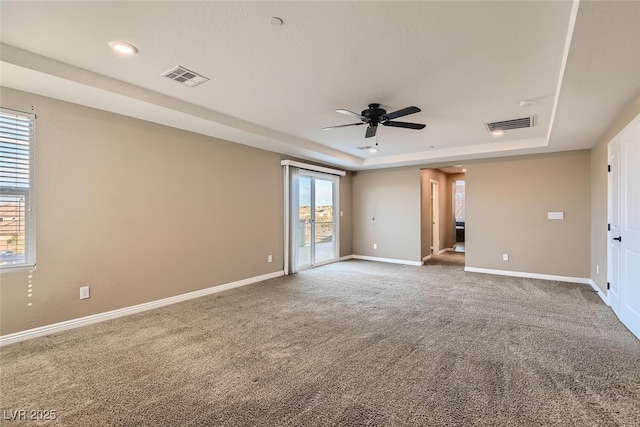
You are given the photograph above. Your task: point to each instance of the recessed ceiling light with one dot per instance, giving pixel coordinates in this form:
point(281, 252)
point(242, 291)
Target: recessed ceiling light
point(275, 21)
point(123, 48)
point(373, 150)
point(497, 133)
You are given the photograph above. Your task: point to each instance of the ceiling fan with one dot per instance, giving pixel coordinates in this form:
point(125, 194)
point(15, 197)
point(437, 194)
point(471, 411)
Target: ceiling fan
point(374, 115)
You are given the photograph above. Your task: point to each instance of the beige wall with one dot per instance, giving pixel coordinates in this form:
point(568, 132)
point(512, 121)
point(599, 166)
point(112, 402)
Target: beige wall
point(507, 205)
point(346, 232)
point(392, 197)
point(599, 183)
point(140, 212)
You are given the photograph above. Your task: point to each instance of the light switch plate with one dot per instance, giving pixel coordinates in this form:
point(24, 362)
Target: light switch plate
point(555, 215)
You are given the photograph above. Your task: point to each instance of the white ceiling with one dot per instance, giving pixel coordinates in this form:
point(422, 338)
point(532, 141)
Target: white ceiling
point(463, 63)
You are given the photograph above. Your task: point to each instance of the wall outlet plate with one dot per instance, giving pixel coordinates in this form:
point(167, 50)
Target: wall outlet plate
point(505, 257)
point(84, 292)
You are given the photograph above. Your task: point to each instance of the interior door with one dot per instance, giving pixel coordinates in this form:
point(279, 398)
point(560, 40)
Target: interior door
point(615, 261)
point(624, 249)
point(317, 237)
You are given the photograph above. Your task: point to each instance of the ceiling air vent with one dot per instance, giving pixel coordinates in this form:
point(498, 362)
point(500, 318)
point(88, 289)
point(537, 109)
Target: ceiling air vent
point(184, 76)
point(525, 122)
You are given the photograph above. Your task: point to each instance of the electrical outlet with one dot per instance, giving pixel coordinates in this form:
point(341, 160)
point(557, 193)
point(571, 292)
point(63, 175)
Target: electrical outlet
point(269, 258)
point(505, 257)
point(84, 292)
point(375, 246)
point(597, 269)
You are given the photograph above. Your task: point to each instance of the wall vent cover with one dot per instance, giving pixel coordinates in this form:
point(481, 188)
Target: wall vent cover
point(365, 147)
point(184, 76)
point(525, 122)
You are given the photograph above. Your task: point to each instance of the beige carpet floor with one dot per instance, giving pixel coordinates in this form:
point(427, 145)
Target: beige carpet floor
point(348, 344)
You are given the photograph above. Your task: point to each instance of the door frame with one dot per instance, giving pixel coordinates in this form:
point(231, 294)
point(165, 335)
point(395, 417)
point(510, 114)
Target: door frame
point(291, 168)
point(435, 216)
point(335, 180)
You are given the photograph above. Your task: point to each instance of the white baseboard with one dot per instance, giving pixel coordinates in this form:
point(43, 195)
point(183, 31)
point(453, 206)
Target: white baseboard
point(101, 317)
point(569, 279)
point(345, 258)
point(445, 250)
point(389, 260)
point(602, 295)
point(427, 258)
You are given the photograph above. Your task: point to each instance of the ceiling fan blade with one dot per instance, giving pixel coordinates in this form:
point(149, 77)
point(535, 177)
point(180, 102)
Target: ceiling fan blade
point(404, 125)
point(352, 114)
point(400, 113)
point(371, 131)
point(343, 126)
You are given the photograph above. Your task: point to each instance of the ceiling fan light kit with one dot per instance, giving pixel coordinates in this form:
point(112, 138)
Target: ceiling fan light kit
point(374, 116)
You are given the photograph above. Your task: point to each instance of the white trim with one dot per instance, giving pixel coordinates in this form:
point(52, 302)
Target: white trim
point(569, 279)
point(602, 295)
point(389, 260)
point(314, 168)
point(345, 258)
point(573, 16)
point(101, 317)
point(445, 250)
point(427, 258)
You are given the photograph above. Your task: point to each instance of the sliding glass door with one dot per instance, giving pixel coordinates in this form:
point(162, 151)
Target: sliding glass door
point(316, 230)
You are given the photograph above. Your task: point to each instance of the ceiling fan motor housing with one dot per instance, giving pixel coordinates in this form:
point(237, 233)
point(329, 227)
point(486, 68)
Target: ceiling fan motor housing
point(374, 113)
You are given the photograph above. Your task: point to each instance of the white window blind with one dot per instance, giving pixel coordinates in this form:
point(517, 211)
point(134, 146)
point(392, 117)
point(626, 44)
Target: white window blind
point(17, 231)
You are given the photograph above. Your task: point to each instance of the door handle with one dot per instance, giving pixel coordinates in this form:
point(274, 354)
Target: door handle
point(619, 239)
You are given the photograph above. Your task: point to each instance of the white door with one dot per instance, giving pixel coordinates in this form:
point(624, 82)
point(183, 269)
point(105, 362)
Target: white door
point(624, 211)
point(615, 263)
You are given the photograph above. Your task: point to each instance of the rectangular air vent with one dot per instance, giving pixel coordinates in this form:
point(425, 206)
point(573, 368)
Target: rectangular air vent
point(525, 122)
point(184, 76)
point(365, 147)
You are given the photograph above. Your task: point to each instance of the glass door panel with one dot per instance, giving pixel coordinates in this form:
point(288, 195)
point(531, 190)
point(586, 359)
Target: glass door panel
point(304, 222)
point(323, 221)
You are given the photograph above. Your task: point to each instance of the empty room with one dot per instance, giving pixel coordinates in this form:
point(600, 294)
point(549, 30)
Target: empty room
point(309, 213)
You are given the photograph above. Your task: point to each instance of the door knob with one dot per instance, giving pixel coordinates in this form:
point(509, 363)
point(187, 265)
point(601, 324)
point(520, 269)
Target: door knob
point(619, 238)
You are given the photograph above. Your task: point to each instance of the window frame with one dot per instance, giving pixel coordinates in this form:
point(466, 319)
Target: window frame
point(28, 193)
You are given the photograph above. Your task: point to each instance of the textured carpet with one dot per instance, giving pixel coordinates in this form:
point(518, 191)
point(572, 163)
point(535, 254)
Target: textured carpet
point(352, 343)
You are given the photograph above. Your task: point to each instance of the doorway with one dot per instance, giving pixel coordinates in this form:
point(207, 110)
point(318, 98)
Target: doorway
point(459, 221)
point(316, 231)
point(435, 218)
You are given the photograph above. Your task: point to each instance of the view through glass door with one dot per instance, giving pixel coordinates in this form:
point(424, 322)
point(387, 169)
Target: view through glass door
point(316, 220)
